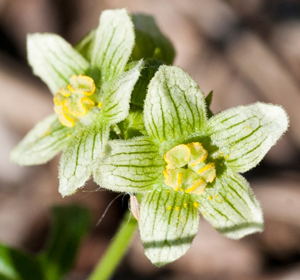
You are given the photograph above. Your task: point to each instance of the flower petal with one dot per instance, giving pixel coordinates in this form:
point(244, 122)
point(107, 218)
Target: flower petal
point(231, 207)
point(113, 43)
point(54, 60)
point(76, 163)
point(42, 143)
point(174, 105)
point(131, 166)
point(169, 221)
point(117, 97)
point(246, 133)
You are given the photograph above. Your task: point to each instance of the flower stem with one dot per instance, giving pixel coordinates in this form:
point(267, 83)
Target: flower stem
point(108, 264)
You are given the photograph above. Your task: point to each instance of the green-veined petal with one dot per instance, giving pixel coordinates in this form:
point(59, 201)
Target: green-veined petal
point(77, 160)
point(54, 60)
point(117, 97)
point(130, 166)
point(245, 134)
point(86, 45)
point(174, 105)
point(42, 143)
point(168, 224)
point(231, 207)
point(113, 43)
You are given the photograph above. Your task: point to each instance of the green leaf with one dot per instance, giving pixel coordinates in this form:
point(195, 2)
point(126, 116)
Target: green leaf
point(169, 221)
point(150, 42)
point(71, 223)
point(42, 143)
point(54, 60)
point(113, 43)
point(15, 265)
point(174, 106)
point(116, 98)
point(140, 89)
point(77, 159)
point(86, 45)
point(130, 166)
point(231, 207)
point(245, 134)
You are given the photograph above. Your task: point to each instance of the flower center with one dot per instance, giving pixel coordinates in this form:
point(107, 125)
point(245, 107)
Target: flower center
point(75, 100)
point(187, 170)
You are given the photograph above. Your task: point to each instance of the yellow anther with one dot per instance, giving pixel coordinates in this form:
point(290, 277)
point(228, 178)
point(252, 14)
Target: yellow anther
point(196, 204)
point(179, 180)
point(198, 160)
point(220, 200)
point(177, 156)
point(70, 88)
point(203, 213)
point(56, 102)
point(185, 205)
point(82, 84)
point(99, 104)
point(210, 198)
point(216, 196)
point(177, 208)
point(195, 186)
point(167, 177)
point(64, 93)
point(169, 207)
point(205, 168)
point(197, 149)
point(187, 170)
point(71, 102)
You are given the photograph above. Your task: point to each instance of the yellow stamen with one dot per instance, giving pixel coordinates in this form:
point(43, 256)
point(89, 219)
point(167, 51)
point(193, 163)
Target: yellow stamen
point(179, 180)
point(195, 186)
point(196, 204)
point(205, 168)
point(64, 93)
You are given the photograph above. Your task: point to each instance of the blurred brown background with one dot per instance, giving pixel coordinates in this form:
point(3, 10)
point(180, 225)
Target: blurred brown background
point(244, 50)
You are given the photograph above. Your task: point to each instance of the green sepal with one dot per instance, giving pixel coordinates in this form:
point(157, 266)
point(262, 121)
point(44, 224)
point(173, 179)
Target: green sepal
point(231, 207)
point(114, 40)
point(150, 42)
point(140, 89)
point(169, 221)
point(174, 106)
point(77, 160)
point(42, 143)
point(208, 100)
point(54, 60)
point(246, 133)
point(132, 166)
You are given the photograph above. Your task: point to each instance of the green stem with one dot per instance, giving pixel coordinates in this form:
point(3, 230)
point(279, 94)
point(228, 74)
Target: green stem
point(116, 250)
